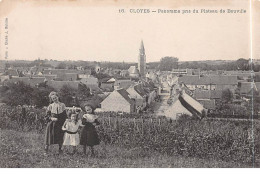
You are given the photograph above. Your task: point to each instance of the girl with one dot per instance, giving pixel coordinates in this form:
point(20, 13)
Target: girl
point(71, 136)
point(89, 136)
point(57, 115)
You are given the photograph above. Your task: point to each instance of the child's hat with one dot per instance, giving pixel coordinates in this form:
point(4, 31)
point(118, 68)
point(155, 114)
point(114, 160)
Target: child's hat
point(90, 103)
point(90, 117)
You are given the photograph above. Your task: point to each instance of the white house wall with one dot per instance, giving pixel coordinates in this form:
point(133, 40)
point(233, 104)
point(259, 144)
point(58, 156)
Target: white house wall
point(176, 109)
point(115, 102)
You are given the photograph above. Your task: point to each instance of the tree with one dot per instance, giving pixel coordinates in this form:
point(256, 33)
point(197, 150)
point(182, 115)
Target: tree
point(168, 63)
point(61, 66)
point(67, 95)
point(15, 94)
point(242, 64)
point(83, 93)
point(227, 96)
point(40, 96)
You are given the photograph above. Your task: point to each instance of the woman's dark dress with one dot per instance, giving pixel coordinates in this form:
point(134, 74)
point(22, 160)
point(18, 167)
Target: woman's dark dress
point(54, 133)
point(88, 135)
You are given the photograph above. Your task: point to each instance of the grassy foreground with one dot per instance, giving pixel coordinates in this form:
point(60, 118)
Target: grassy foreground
point(25, 150)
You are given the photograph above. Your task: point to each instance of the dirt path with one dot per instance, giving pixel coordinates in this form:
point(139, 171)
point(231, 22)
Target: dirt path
point(161, 106)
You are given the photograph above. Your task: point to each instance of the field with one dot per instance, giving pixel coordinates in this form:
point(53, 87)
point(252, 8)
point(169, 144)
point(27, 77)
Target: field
point(131, 141)
point(25, 150)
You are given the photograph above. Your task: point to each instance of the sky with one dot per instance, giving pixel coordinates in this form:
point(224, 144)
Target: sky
point(96, 31)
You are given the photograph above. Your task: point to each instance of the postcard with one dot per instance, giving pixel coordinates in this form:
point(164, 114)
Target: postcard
point(129, 84)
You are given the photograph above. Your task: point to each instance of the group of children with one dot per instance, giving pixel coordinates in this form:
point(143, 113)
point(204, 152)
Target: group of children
point(63, 131)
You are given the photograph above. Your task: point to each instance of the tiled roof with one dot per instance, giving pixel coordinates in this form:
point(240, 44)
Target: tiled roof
point(29, 81)
point(59, 84)
point(207, 80)
point(12, 72)
point(207, 94)
point(189, 80)
point(104, 80)
point(124, 83)
point(68, 76)
point(246, 87)
point(208, 104)
point(140, 90)
point(125, 95)
point(60, 71)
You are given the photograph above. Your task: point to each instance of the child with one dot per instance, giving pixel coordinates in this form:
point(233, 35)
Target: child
point(71, 136)
point(56, 114)
point(89, 136)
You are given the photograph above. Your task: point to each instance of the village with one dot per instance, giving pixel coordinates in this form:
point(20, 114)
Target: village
point(139, 89)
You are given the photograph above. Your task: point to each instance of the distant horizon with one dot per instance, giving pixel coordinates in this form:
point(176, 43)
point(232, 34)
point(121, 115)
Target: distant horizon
point(31, 60)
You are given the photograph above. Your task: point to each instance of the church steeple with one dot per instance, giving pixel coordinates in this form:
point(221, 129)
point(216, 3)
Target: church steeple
point(142, 50)
point(142, 60)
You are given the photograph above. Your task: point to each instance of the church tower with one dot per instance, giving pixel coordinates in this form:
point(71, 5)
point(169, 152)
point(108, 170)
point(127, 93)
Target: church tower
point(142, 60)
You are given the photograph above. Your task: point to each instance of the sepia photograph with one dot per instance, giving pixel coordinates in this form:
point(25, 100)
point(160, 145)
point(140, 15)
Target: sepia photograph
point(129, 84)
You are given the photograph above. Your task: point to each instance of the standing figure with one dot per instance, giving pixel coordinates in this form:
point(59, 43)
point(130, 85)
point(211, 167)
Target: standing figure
point(89, 136)
point(71, 136)
point(57, 115)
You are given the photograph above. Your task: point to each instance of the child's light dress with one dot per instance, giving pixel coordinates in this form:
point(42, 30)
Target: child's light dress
point(71, 136)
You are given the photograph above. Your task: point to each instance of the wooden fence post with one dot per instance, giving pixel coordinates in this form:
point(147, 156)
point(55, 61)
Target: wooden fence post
point(134, 125)
point(142, 126)
point(116, 123)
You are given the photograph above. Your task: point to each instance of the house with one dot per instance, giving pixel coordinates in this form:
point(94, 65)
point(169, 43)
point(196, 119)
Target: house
point(68, 77)
point(108, 71)
point(133, 72)
point(124, 73)
point(90, 81)
point(107, 84)
point(60, 71)
point(208, 98)
point(118, 100)
point(154, 77)
point(247, 87)
point(12, 72)
point(218, 82)
point(150, 89)
point(32, 81)
point(81, 76)
point(111, 80)
point(4, 77)
point(183, 104)
point(49, 77)
point(208, 104)
point(137, 93)
point(36, 70)
point(123, 83)
point(207, 94)
point(242, 75)
point(116, 71)
point(59, 84)
point(182, 72)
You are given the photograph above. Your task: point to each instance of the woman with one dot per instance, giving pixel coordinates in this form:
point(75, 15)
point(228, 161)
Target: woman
point(57, 115)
